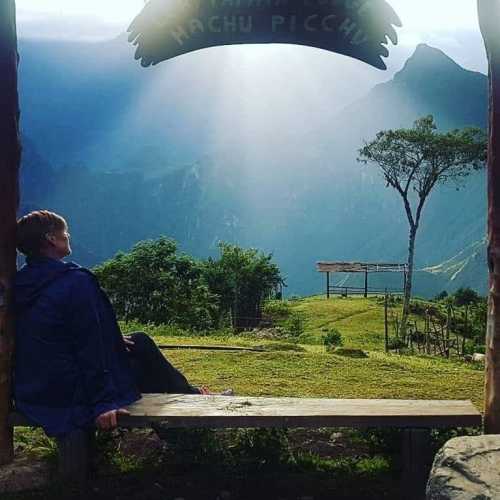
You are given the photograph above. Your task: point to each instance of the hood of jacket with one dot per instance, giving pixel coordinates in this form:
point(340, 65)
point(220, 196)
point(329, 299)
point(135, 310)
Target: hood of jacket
point(35, 276)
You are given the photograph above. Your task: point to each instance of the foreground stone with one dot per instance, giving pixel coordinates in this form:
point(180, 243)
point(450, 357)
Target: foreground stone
point(23, 474)
point(466, 468)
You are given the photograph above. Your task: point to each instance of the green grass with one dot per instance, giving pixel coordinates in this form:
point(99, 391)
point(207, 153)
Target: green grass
point(327, 375)
point(314, 373)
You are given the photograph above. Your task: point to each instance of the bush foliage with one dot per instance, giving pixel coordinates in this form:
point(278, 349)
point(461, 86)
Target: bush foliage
point(156, 284)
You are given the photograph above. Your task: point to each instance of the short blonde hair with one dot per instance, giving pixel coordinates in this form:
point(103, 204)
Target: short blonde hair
point(32, 228)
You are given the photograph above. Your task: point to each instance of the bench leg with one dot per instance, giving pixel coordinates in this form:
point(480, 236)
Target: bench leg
point(75, 453)
point(416, 457)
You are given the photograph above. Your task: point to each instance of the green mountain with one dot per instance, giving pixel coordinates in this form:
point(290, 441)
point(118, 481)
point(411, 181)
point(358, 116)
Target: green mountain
point(128, 154)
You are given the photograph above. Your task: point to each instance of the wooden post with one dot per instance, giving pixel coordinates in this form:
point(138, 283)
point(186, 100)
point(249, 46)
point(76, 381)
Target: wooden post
point(328, 284)
point(448, 327)
point(427, 332)
point(75, 454)
point(366, 284)
point(489, 15)
point(416, 461)
point(386, 322)
point(10, 154)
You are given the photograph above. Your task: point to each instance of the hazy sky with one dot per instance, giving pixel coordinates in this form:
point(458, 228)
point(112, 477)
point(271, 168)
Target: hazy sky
point(447, 24)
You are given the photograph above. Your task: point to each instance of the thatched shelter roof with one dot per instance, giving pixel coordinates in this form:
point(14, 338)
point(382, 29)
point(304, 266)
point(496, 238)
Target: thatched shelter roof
point(360, 267)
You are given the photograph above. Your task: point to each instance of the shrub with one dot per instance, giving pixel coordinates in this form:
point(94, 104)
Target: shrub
point(441, 296)
point(277, 309)
point(259, 447)
point(294, 326)
point(466, 296)
point(333, 339)
point(480, 349)
point(395, 344)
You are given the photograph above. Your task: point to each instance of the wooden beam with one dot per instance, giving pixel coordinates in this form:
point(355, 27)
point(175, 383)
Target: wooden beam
point(489, 16)
point(211, 347)
point(10, 154)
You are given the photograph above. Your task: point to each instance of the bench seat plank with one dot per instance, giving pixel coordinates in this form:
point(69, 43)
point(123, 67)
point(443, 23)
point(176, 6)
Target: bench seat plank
point(197, 411)
point(232, 412)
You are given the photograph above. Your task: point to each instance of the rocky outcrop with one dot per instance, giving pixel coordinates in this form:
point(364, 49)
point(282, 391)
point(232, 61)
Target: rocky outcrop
point(466, 468)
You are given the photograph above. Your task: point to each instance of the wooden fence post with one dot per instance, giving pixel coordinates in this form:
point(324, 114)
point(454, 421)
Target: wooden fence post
point(10, 154)
point(489, 16)
point(386, 323)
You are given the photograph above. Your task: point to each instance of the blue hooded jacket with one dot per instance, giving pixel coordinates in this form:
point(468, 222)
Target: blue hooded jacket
point(70, 362)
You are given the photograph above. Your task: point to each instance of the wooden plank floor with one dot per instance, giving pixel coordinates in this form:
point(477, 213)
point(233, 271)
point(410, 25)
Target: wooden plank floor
point(179, 410)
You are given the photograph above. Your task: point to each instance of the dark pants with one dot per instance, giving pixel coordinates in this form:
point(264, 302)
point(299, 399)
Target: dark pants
point(153, 373)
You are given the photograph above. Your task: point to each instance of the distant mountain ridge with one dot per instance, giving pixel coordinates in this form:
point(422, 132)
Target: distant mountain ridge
point(130, 159)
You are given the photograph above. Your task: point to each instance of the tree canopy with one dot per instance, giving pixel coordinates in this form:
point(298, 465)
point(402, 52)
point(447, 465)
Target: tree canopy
point(153, 283)
point(242, 279)
point(414, 160)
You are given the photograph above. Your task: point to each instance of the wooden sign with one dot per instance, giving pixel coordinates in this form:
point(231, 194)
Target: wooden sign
point(357, 28)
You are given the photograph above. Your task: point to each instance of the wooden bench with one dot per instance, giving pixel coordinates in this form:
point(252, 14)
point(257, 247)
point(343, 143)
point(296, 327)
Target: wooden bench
point(416, 417)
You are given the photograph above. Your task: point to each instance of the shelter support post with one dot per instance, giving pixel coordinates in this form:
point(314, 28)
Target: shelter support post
point(386, 322)
point(10, 154)
point(328, 284)
point(366, 284)
point(489, 16)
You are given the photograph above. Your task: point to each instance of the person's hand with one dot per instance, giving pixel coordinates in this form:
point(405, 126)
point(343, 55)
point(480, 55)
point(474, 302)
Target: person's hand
point(128, 343)
point(108, 420)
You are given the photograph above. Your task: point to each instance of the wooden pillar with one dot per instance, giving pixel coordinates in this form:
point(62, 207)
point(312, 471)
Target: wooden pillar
point(10, 153)
point(366, 284)
point(489, 18)
point(328, 284)
point(386, 322)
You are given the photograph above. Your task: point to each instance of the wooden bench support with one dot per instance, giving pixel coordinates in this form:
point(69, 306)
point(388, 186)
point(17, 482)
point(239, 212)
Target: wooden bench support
point(75, 454)
point(416, 462)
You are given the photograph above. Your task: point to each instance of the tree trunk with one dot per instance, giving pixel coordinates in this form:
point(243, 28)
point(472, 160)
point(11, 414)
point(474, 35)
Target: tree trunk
point(10, 153)
point(408, 282)
point(489, 15)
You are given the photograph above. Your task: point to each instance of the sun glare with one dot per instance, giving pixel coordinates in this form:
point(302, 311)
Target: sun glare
point(421, 15)
point(110, 11)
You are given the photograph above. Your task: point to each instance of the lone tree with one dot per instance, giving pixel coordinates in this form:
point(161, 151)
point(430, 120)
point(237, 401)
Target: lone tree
point(413, 161)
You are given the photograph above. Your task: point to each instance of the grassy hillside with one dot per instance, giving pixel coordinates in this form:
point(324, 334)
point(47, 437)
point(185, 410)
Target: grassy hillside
point(280, 371)
point(359, 320)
